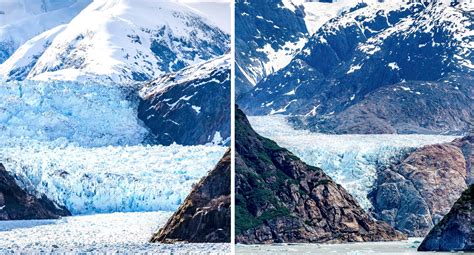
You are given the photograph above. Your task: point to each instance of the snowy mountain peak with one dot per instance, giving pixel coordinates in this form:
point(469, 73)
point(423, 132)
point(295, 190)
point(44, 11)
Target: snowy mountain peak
point(122, 41)
point(188, 74)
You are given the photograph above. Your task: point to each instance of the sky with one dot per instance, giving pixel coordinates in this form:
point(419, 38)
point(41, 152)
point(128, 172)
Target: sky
point(217, 12)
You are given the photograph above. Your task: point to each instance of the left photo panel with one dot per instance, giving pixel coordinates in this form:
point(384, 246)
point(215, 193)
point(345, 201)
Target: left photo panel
point(115, 126)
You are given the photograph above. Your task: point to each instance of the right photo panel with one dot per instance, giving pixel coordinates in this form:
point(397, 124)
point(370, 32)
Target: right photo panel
point(354, 126)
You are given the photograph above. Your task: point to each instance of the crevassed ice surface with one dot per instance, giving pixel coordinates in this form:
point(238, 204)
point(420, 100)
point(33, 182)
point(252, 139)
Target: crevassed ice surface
point(122, 233)
point(112, 178)
point(350, 160)
point(81, 145)
point(86, 114)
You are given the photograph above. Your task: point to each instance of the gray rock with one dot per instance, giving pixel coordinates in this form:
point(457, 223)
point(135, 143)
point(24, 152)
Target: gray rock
point(414, 194)
point(455, 232)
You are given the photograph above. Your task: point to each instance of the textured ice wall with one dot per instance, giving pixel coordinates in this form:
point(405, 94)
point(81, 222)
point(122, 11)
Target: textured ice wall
point(350, 160)
point(85, 114)
point(112, 178)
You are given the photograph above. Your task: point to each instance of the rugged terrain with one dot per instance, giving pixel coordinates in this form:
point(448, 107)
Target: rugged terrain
point(279, 198)
point(120, 42)
point(205, 214)
point(17, 204)
point(455, 231)
point(414, 194)
point(366, 70)
point(191, 106)
point(268, 34)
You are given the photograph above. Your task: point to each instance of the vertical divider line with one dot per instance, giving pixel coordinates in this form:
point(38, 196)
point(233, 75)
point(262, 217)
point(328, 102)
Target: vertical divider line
point(232, 127)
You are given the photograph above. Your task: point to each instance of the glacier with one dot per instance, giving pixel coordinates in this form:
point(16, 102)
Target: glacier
point(109, 178)
point(85, 114)
point(351, 160)
point(82, 145)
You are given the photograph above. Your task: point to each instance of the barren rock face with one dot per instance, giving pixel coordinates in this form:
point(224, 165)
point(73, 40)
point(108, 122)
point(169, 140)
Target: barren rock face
point(416, 193)
point(455, 231)
point(204, 217)
point(279, 198)
point(17, 204)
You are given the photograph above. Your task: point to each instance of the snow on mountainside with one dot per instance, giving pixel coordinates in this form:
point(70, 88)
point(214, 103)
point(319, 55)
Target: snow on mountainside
point(268, 34)
point(23, 19)
point(277, 34)
point(351, 160)
point(190, 106)
point(365, 50)
point(120, 41)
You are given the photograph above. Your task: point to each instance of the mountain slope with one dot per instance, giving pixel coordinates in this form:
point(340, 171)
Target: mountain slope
point(373, 52)
point(455, 232)
point(17, 204)
point(268, 34)
point(123, 41)
point(205, 214)
point(21, 20)
point(191, 106)
point(279, 198)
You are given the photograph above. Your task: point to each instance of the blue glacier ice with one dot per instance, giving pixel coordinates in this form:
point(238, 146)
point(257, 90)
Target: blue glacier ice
point(81, 144)
point(351, 160)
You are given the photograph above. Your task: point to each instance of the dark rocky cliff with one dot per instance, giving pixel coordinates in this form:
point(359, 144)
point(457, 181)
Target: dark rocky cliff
point(279, 198)
point(204, 217)
point(17, 204)
point(456, 231)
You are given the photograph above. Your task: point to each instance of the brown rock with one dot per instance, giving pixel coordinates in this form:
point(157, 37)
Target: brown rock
point(416, 193)
point(279, 198)
point(17, 204)
point(204, 216)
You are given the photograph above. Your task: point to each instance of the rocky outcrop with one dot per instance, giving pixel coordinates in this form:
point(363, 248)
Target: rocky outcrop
point(204, 217)
point(17, 204)
point(414, 194)
point(279, 198)
point(191, 106)
point(456, 231)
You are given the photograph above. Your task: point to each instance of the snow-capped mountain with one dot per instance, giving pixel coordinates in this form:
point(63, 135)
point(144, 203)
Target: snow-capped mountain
point(419, 54)
point(21, 20)
point(268, 34)
point(119, 41)
point(190, 106)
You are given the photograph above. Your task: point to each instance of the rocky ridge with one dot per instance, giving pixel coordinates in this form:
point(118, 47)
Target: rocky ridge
point(414, 194)
point(279, 198)
point(17, 204)
point(204, 216)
